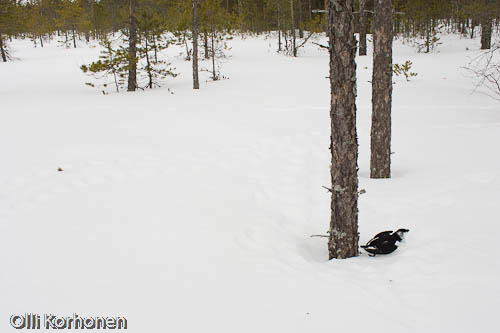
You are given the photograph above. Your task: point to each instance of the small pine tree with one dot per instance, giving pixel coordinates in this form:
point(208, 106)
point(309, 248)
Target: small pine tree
point(113, 62)
point(404, 69)
point(152, 68)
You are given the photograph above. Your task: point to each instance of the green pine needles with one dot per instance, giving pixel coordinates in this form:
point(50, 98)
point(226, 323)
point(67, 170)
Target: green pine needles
point(404, 69)
point(112, 67)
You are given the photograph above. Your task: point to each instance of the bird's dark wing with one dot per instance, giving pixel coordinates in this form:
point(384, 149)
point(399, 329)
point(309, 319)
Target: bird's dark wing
point(383, 234)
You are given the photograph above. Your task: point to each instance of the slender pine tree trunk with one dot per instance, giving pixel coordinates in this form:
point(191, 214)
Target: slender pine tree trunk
point(486, 26)
point(196, 81)
point(473, 24)
point(132, 48)
point(148, 63)
point(286, 39)
point(184, 39)
point(343, 239)
point(205, 44)
point(74, 38)
point(155, 47)
point(428, 39)
point(486, 34)
point(362, 28)
point(2, 49)
point(294, 49)
point(214, 74)
point(301, 32)
point(327, 32)
point(380, 163)
point(279, 28)
point(310, 10)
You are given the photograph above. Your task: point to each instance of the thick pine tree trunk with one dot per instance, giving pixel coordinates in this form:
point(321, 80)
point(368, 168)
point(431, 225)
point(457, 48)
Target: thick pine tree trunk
point(132, 49)
point(380, 163)
point(343, 240)
point(362, 28)
point(196, 81)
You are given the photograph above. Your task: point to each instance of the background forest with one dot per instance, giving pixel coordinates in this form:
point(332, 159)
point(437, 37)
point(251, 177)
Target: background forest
point(77, 21)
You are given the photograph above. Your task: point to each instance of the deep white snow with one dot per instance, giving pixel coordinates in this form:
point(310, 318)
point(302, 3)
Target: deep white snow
point(192, 211)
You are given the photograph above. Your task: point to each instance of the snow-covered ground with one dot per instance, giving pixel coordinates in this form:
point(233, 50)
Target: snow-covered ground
point(192, 211)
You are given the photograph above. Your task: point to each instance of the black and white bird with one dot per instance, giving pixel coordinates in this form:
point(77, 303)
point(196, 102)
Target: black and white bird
point(384, 242)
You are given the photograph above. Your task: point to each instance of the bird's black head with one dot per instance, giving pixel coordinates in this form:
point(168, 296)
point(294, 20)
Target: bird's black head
point(401, 233)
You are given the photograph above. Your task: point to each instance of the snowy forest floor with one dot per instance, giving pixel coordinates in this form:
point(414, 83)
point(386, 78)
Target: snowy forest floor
point(192, 211)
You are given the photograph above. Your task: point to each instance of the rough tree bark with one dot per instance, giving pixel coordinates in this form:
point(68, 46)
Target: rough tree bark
point(196, 81)
point(362, 28)
point(343, 239)
point(380, 163)
point(132, 49)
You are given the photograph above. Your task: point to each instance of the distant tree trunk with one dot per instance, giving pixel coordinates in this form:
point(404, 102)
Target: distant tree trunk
point(294, 48)
point(74, 38)
point(362, 28)
point(184, 39)
point(486, 34)
point(380, 163)
point(279, 27)
point(310, 10)
point(2, 49)
point(205, 44)
point(132, 49)
point(428, 38)
point(301, 32)
point(343, 239)
point(486, 23)
point(155, 49)
point(279, 40)
point(214, 74)
point(196, 81)
point(148, 64)
point(327, 32)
